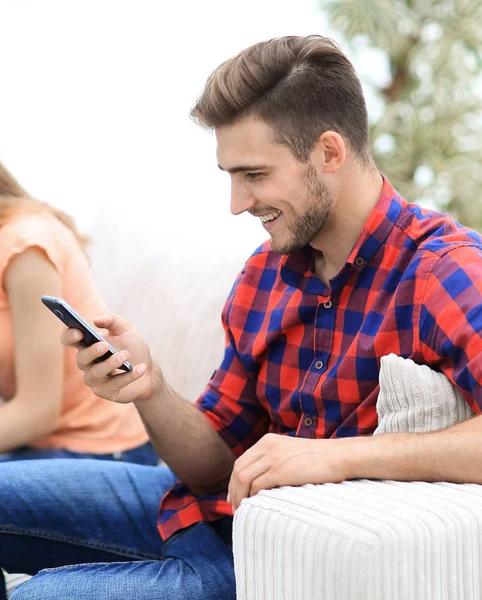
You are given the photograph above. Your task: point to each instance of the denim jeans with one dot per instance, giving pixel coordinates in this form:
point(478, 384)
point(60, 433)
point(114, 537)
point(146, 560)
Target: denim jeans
point(87, 530)
point(142, 455)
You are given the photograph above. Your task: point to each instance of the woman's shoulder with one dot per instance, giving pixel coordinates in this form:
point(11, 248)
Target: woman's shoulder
point(27, 220)
point(43, 230)
point(25, 223)
point(39, 226)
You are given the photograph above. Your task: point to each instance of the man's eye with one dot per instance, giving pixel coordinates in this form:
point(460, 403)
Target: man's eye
point(253, 175)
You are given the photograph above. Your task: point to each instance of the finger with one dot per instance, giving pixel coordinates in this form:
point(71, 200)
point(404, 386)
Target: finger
point(110, 387)
point(243, 462)
point(105, 368)
point(113, 323)
point(241, 481)
point(72, 338)
point(252, 455)
point(103, 332)
point(89, 354)
point(265, 481)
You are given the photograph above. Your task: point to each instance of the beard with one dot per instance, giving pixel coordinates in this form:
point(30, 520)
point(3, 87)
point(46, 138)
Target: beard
point(317, 217)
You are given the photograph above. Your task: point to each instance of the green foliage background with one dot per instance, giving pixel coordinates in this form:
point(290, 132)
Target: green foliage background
point(428, 139)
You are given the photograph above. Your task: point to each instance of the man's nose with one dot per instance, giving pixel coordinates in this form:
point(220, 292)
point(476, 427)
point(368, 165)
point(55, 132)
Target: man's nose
point(241, 198)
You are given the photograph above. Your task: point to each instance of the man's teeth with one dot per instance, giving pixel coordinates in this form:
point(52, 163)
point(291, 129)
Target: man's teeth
point(270, 217)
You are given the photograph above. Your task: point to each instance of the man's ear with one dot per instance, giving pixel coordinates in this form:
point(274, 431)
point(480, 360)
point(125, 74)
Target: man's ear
point(329, 152)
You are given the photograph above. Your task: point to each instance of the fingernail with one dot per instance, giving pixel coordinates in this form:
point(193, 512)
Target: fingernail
point(140, 369)
point(101, 349)
point(76, 336)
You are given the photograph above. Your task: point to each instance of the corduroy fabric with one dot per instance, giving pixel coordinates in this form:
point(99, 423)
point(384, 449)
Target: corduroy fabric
point(369, 539)
point(415, 398)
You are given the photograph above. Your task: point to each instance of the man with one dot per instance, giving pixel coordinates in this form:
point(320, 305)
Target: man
point(351, 273)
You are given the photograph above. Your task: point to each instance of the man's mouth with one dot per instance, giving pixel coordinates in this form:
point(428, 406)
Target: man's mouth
point(270, 216)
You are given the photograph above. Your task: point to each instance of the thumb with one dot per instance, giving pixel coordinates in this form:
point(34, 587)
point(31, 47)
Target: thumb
point(114, 324)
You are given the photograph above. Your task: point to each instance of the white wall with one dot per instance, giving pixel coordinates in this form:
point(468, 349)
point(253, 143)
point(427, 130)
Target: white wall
point(94, 109)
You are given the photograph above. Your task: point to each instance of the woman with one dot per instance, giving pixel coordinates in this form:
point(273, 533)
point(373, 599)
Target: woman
point(48, 411)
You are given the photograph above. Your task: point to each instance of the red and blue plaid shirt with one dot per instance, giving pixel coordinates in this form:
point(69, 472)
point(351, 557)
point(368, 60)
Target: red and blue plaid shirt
point(302, 358)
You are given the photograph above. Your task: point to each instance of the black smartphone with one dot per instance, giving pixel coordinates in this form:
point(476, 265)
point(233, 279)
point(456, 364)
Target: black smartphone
point(69, 317)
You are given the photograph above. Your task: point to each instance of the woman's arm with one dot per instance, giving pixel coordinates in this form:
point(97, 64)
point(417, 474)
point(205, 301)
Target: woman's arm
point(34, 410)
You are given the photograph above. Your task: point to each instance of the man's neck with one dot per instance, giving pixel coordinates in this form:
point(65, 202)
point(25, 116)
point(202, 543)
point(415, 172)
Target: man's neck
point(356, 200)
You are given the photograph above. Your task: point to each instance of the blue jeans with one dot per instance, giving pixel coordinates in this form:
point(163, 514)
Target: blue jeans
point(87, 530)
point(142, 455)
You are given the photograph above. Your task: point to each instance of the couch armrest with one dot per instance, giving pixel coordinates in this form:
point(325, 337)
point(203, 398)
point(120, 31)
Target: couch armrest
point(376, 540)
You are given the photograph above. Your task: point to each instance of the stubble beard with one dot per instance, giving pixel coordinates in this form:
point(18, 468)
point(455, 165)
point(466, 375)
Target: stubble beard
point(317, 217)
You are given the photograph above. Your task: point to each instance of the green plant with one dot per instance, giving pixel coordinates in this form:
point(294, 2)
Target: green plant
point(428, 137)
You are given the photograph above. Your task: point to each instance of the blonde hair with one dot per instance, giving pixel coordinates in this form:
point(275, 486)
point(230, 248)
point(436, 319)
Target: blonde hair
point(14, 200)
point(301, 86)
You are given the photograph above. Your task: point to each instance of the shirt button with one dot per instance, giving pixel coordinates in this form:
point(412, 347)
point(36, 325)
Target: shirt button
point(308, 421)
point(319, 364)
point(327, 304)
point(359, 261)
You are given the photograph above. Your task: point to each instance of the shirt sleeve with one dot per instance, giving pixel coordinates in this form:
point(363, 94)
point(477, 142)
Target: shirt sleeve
point(451, 320)
point(31, 231)
point(229, 400)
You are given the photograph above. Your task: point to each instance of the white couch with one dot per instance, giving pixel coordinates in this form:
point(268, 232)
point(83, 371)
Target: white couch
point(355, 540)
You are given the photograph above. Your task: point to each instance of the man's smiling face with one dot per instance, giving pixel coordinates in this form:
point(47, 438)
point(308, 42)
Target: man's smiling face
point(289, 197)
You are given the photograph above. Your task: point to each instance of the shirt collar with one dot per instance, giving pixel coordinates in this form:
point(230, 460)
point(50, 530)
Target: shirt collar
point(296, 269)
point(378, 226)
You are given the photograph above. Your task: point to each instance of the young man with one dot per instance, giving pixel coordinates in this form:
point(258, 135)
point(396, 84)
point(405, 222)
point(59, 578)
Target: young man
point(351, 273)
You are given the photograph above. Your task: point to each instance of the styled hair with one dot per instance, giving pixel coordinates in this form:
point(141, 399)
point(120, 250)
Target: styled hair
point(300, 86)
point(14, 200)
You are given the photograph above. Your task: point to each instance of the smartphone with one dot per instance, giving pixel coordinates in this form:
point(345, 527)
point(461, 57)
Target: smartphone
point(69, 317)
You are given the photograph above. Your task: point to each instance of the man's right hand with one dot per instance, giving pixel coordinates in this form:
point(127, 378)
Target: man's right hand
point(104, 378)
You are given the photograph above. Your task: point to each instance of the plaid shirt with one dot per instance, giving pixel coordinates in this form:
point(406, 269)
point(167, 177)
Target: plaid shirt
point(302, 358)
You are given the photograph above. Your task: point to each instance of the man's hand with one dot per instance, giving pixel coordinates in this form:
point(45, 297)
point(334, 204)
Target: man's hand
point(104, 378)
point(282, 460)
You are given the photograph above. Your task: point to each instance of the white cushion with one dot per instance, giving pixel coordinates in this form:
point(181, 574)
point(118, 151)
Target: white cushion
point(415, 398)
point(381, 540)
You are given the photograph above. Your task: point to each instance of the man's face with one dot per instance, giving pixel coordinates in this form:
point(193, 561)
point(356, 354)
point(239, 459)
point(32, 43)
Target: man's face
point(292, 202)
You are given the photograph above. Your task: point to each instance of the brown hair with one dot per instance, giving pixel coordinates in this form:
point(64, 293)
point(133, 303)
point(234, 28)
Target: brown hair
point(301, 86)
point(15, 200)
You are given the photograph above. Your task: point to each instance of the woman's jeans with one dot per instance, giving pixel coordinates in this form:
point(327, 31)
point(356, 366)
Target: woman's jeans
point(89, 527)
point(142, 455)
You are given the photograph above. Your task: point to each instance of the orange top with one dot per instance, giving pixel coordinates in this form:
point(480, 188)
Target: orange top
point(87, 423)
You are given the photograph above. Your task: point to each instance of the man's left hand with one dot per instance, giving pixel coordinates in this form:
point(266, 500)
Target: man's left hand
point(282, 460)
